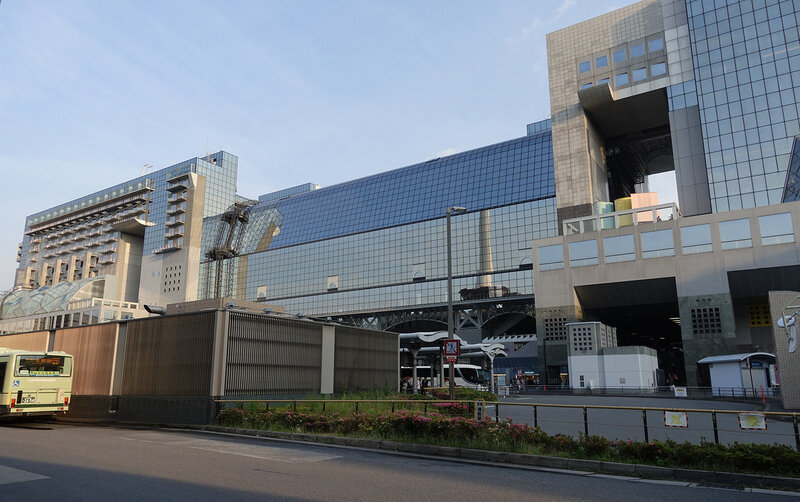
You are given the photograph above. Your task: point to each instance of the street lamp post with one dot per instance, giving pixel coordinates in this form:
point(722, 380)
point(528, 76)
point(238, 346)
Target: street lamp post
point(451, 210)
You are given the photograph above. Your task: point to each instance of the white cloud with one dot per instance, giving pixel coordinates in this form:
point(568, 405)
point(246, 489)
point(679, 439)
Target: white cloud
point(561, 9)
point(445, 152)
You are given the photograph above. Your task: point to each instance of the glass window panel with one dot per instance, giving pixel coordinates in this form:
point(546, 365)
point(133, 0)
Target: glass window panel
point(621, 79)
point(583, 253)
point(696, 239)
point(551, 257)
point(584, 66)
point(776, 229)
point(658, 69)
point(637, 51)
point(619, 249)
point(619, 56)
point(586, 85)
point(735, 234)
point(639, 74)
point(601, 62)
point(655, 45)
point(602, 81)
point(657, 244)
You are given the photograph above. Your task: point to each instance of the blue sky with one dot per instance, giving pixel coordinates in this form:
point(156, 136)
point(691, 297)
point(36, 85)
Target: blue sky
point(301, 91)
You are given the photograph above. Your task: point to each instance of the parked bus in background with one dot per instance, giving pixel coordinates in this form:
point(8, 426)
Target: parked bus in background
point(34, 383)
point(467, 375)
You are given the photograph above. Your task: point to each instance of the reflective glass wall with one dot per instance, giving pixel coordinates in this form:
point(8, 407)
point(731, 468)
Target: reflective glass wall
point(380, 242)
point(746, 58)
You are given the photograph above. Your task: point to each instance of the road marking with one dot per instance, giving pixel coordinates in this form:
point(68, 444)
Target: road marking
point(10, 475)
point(263, 452)
point(772, 492)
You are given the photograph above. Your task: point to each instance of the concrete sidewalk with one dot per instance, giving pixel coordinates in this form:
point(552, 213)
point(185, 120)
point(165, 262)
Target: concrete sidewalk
point(496, 458)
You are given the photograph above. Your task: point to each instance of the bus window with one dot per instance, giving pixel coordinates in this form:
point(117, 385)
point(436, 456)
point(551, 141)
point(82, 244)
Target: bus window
point(44, 366)
point(2, 377)
point(473, 375)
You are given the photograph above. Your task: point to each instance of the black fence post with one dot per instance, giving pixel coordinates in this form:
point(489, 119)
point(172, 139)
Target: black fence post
point(535, 416)
point(323, 406)
point(393, 406)
point(585, 422)
point(716, 430)
point(644, 422)
point(497, 412)
point(295, 405)
point(356, 406)
point(796, 432)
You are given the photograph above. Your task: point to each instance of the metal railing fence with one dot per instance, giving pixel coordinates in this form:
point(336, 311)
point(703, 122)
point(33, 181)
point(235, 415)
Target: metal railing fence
point(706, 393)
point(785, 424)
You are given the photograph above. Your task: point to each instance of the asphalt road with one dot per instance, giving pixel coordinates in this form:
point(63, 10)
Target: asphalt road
point(628, 424)
point(45, 462)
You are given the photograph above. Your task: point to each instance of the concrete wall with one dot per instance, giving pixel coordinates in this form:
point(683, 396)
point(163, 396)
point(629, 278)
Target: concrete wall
point(37, 341)
point(634, 368)
point(591, 368)
point(727, 374)
point(94, 349)
point(788, 363)
point(701, 279)
point(630, 370)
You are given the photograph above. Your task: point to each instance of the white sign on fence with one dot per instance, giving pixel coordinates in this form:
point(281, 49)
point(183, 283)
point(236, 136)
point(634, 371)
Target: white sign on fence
point(676, 419)
point(752, 421)
point(480, 410)
point(681, 392)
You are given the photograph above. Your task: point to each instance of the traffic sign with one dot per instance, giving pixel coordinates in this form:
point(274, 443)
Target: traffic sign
point(451, 348)
point(452, 359)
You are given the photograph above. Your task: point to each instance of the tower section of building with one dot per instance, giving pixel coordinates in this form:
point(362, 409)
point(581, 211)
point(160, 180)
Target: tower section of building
point(96, 258)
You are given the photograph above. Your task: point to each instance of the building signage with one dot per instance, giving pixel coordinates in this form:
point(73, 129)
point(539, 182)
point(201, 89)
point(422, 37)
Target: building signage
point(480, 410)
point(753, 421)
point(676, 419)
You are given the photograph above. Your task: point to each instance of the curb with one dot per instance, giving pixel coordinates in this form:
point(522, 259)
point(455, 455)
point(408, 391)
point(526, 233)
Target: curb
point(527, 460)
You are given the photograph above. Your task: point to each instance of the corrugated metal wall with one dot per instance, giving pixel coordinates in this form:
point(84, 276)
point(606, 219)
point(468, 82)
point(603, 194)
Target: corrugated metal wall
point(35, 341)
point(93, 351)
point(169, 356)
point(365, 360)
point(268, 355)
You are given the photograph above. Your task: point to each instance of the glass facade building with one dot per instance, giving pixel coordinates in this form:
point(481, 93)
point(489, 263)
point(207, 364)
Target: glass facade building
point(379, 242)
point(746, 58)
point(106, 237)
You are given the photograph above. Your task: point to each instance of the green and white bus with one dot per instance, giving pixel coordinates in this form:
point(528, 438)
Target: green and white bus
point(34, 383)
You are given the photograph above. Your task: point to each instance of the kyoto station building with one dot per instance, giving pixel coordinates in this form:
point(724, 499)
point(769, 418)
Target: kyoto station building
point(556, 226)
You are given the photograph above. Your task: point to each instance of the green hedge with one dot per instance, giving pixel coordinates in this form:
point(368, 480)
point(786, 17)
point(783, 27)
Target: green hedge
point(441, 429)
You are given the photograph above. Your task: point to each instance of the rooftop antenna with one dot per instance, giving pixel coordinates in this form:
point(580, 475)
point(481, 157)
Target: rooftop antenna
point(145, 167)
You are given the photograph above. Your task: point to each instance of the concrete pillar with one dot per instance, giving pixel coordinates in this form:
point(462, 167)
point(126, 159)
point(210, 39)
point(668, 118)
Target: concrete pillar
point(552, 338)
point(788, 362)
point(328, 362)
point(414, 352)
point(707, 329)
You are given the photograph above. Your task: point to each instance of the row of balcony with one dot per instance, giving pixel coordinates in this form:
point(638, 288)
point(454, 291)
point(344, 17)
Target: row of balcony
point(93, 215)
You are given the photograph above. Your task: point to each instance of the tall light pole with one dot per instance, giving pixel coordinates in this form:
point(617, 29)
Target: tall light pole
point(450, 331)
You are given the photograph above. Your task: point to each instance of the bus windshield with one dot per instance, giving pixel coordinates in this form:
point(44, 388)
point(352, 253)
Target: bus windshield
point(43, 366)
point(473, 375)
